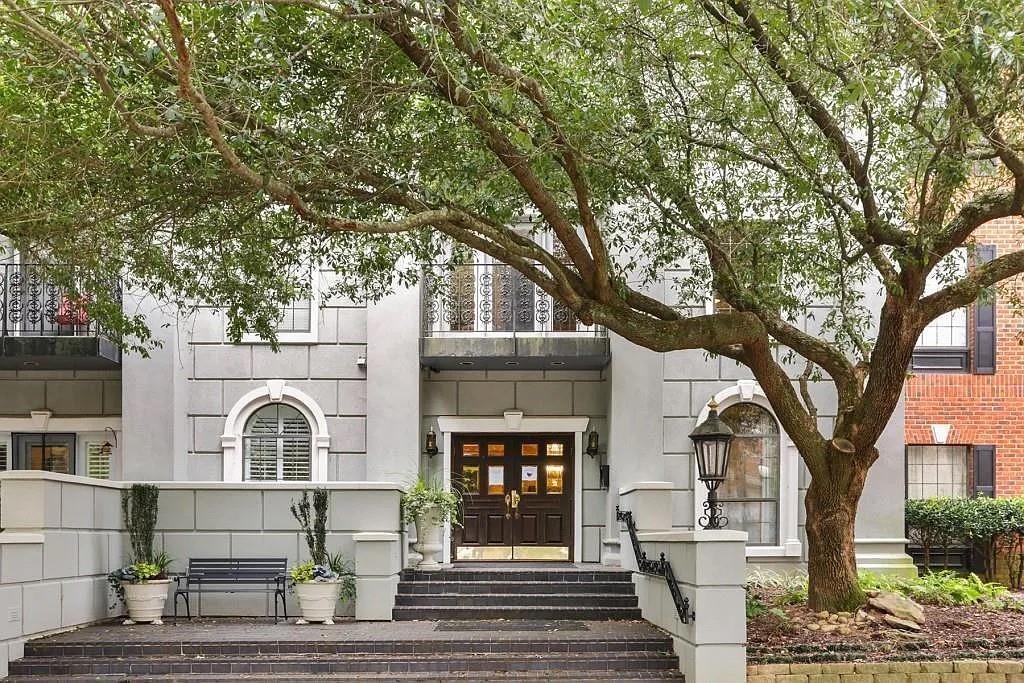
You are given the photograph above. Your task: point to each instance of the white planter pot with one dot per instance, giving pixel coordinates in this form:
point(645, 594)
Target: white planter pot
point(317, 600)
point(145, 601)
point(428, 537)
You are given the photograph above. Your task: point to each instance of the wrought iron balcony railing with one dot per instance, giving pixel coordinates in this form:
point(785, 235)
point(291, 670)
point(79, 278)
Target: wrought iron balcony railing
point(491, 298)
point(33, 305)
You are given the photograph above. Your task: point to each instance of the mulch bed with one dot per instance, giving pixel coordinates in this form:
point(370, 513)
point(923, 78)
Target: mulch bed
point(948, 633)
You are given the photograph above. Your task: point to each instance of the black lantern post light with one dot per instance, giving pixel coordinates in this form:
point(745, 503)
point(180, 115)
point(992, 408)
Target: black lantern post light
point(711, 442)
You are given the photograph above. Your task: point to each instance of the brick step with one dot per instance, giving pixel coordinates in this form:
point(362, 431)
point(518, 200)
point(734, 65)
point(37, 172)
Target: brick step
point(503, 600)
point(346, 664)
point(435, 587)
point(524, 642)
point(421, 587)
point(566, 676)
point(525, 574)
point(456, 613)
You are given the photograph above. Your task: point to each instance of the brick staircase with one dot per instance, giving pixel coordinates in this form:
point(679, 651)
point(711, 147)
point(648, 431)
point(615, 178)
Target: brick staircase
point(456, 624)
point(516, 593)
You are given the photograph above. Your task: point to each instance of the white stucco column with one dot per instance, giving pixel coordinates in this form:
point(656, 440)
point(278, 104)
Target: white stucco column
point(378, 563)
point(709, 630)
point(880, 541)
point(635, 430)
point(393, 444)
point(393, 387)
point(154, 443)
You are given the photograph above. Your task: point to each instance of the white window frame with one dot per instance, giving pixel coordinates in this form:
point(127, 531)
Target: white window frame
point(933, 285)
point(965, 464)
point(274, 391)
point(749, 391)
point(311, 336)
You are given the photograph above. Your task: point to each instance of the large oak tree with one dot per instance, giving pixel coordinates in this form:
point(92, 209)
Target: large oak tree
point(783, 151)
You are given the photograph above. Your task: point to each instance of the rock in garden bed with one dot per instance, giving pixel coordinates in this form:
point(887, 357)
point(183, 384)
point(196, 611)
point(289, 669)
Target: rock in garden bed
point(796, 634)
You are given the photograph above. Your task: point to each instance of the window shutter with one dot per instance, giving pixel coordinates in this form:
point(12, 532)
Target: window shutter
point(985, 471)
point(295, 449)
point(4, 464)
point(97, 464)
point(985, 322)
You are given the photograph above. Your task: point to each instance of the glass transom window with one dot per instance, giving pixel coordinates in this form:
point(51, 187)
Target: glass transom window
point(750, 492)
point(277, 445)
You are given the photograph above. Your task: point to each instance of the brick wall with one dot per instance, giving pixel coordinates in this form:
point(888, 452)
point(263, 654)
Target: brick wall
point(982, 409)
point(959, 671)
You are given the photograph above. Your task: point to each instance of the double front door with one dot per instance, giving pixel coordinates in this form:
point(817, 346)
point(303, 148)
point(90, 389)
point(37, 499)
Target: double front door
point(517, 502)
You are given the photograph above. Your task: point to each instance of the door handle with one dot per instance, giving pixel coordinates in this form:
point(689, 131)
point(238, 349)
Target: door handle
point(508, 506)
point(515, 499)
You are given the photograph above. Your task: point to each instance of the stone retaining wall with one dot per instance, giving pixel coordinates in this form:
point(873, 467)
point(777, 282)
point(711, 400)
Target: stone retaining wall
point(959, 671)
point(60, 535)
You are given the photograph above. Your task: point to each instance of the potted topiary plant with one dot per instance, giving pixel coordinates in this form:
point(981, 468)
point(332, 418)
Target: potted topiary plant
point(142, 584)
point(428, 504)
point(323, 579)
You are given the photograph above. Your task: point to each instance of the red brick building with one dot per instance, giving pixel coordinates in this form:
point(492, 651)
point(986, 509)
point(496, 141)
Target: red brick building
point(965, 398)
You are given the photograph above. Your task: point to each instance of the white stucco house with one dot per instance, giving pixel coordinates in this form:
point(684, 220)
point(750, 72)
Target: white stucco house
point(521, 400)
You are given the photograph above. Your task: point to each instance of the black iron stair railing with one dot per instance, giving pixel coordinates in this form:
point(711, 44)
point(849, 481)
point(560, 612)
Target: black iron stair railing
point(660, 567)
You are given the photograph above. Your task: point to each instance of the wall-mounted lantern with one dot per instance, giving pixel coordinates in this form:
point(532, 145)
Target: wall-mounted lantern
point(712, 440)
point(431, 445)
point(592, 443)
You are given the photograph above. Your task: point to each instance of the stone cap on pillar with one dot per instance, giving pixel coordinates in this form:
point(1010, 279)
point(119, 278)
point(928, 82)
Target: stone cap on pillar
point(694, 536)
point(646, 486)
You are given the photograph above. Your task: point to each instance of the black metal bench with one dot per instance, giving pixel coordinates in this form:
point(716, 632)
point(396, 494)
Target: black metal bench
point(232, 575)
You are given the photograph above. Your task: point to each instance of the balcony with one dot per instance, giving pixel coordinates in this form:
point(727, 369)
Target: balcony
point(44, 327)
point(487, 316)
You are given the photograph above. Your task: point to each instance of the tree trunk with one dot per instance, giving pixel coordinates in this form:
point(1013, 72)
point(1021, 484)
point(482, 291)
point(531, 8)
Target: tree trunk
point(831, 505)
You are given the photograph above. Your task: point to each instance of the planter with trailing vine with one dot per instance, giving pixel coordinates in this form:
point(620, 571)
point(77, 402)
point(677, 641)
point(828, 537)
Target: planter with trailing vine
point(428, 505)
point(318, 583)
point(142, 585)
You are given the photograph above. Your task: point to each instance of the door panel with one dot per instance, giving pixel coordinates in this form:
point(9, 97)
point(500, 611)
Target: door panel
point(518, 496)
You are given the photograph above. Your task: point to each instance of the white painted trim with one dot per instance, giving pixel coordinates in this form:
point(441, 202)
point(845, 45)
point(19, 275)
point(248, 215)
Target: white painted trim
point(60, 424)
point(529, 424)
point(449, 425)
point(315, 311)
point(225, 485)
point(20, 537)
point(749, 391)
point(274, 391)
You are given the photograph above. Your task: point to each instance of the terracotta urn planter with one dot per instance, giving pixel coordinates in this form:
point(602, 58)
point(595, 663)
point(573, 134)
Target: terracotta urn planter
point(317, 600)
point(145, 601)
point(429, 537)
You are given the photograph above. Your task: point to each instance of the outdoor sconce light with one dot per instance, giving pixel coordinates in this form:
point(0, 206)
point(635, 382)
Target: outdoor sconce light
point(106, 449)
point(592, 443)
point(431, 445)
point(711, 442)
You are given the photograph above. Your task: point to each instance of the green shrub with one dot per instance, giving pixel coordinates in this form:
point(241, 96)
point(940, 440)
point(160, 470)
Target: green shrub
point(993, 525)
point(786, 588)
point(139, 508)
point(941, 588)
point(424, 494)
point(767, 590)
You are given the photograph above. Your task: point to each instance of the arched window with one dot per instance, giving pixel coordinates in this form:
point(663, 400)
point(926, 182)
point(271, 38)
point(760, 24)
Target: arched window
point(750, 491)
point(277, 445)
